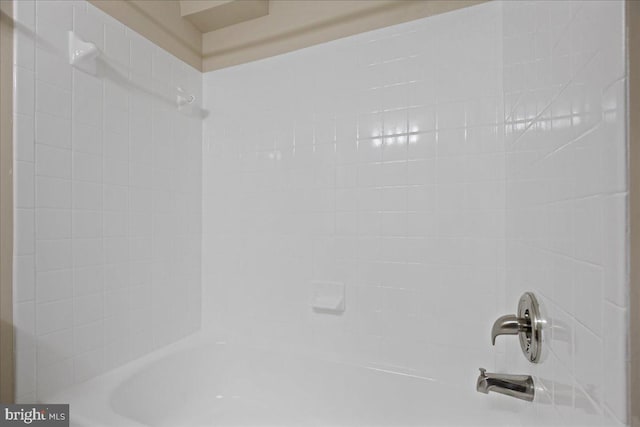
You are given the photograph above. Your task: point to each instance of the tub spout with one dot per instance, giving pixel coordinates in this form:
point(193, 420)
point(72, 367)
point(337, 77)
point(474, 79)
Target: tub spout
point(518, 386)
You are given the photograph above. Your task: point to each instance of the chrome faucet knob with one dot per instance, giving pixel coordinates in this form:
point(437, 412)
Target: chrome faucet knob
point(527, 324)
point(509, 325)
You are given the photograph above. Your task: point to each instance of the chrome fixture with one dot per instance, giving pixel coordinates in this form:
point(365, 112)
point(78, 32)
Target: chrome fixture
point(518, 386)
point(527, 324)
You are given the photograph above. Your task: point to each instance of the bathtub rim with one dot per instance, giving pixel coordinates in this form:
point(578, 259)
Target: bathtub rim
point(98, 403)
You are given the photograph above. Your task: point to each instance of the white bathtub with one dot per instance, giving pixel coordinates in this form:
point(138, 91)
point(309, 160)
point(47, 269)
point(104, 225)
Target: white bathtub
point(199, 382)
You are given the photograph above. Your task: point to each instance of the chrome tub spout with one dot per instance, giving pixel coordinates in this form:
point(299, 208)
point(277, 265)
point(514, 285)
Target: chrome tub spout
point(518, 386)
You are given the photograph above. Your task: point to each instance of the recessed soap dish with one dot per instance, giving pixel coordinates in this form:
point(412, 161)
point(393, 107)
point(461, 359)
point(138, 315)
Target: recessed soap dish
point(327, 297)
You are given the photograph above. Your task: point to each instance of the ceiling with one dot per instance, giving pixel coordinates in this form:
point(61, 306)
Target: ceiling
point(213, 34)
point(210, 15)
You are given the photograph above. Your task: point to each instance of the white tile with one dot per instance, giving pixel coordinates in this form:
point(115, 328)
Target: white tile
point(611, 155)
point(25, 319)
point(87, 100)
point(52, 161)
point(115, 330)
point(88, 365)
point(140, 200)
point(116, 120)
point(53, 286)
point(115, 197)
point(116, 276)
point(422, 146)
point(87, 139)
point(116, 146)
point(54, 316)
point(24, 83)
point(24, 133)
point(140, 148)
point(421, 172)
point(116, 353)
point(53, 100)
point(615, 355)
point(591, 415)
point(140, 249)
point(611, 420)
point(88, 27)
point(115, 250)
point(54, 347)
point(116, 172)
point(140, 175)
point(87, 280)
point(88, 337)
point(87, 167)
point(55, 377)
point(116, 95)
point(53, 68)
point(24, 276)
point(53, 193)
point(86, 224)
point(25, 377)
point(87, 195)
point(24, 231)
point(62, 116)
point(589, 368)
point(25, 188)
point(116, 45)
point(140, 276)
point(53, 22)
point(114, 224)
point(614, 265)
point(116, 302)
point(53, 255)
point(139, 225)
point(53, 130)
point(25, 13)
point(141, 54)
point(161, 66)
point(588, 296)
point(53, 224)
point(87, 252)
point(88, 308)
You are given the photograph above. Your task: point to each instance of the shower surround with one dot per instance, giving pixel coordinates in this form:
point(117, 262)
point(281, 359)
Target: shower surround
point(377, 161)
point(108, 199)
point(437, 169)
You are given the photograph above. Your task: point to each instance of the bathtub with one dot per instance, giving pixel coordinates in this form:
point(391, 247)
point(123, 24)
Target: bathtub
point(204, 382)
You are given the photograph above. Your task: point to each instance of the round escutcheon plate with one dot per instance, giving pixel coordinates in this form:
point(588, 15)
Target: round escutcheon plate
point(531, 339)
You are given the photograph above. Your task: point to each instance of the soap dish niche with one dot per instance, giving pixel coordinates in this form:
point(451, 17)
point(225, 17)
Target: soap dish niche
point(327, 297)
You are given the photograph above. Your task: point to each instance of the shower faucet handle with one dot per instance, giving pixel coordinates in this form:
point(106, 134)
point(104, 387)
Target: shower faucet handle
point(527, 324)
point(509, 324)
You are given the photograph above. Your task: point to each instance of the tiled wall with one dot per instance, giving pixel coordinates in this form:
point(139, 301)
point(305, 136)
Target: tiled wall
point(439, 169)
point(565, 88)
point(108, 198)
point(376, 161)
